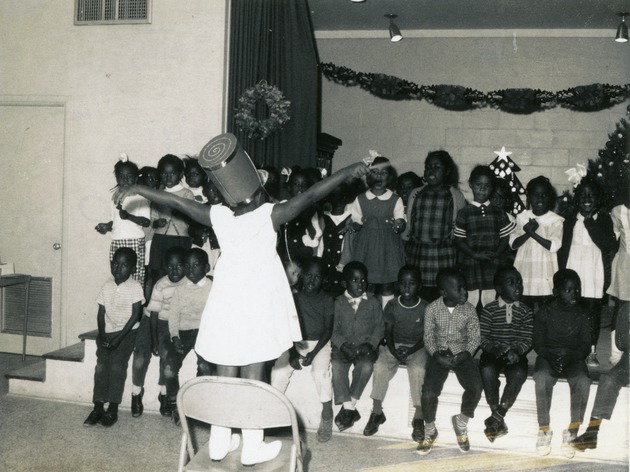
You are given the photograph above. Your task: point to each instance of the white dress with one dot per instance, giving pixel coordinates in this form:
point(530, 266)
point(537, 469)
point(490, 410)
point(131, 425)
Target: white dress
point(586, 259)
point(250, 315)
point(620, 283)
point(535, 263)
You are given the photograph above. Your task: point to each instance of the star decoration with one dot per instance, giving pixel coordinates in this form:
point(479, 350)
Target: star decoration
point(503, 154)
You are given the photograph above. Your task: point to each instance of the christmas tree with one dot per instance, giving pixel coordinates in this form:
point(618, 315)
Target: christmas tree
point(612, 166)
point(505, 168)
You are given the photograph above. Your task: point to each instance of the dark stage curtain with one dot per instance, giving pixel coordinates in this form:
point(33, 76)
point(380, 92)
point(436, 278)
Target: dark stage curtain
point(273, 40)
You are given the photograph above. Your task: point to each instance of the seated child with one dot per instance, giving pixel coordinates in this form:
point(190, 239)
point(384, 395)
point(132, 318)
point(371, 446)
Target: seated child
point(451, 337)
point(119, 311)
point(159, 307)
point(506, 337)
point(315, 310)
point(609, 386)
point(404, 335)
point(562, 340)
point(357, 332)
point(187, 304)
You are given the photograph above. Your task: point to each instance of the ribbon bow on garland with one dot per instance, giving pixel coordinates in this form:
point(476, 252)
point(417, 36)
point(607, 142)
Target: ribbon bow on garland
point(456, 97)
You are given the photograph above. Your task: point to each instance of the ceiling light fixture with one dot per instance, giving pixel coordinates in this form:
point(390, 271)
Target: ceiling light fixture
point(622, 29)
point(358, 1)
point(394, 31)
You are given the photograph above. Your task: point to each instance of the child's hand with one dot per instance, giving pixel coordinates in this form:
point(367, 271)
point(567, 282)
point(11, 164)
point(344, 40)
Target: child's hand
point(458, 359)
point(178, 345)
point(114, 343)
point(123, 192)
point(443, 360)
point(103, 228)
point(398, 225)
point(356, 171)
point(401, 354)
point(124, 214)
point(294, 359)
point(531, 226)
point(364, 349)
point(348, 350)
point(354, 227)
point(155, 347)
point(511, 357)
point(159, 223)
point(308, 359)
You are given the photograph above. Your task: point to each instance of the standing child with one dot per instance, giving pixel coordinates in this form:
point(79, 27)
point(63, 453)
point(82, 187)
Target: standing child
point(588, 243)
point(379, 217)
point(195, 178)
point(187, 305)
point(431, 213)
point(315, 310)
point(501, 198)
point(150, 177)
point(240, 334)
point(620, 283)
point(405, 183)
point(171, 227)
point(299, 237)
point(481, 236)
point(128, 219)
point(537, 238)
point(404, 335)
point(159, 307)
point(357, 331)
point(562, 340)
point(335, 224)
point(451, 337)
point(119, 310)
point(506, 337)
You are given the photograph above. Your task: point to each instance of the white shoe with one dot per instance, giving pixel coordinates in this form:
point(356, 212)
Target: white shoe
point(255, 450)
point(543, 443)
point(222, 442)
point(567, 449)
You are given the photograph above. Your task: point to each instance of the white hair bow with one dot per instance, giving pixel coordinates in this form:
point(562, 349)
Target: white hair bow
point(575, 174)
point(286, 171)
point(372, 155)
point(123, 157)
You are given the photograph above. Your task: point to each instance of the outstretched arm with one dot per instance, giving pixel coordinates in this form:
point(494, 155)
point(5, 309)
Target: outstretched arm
point(286, 211)
point(197, 211)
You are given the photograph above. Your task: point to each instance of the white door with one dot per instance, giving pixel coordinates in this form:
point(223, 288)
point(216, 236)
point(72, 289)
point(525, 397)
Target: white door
point(31, 196)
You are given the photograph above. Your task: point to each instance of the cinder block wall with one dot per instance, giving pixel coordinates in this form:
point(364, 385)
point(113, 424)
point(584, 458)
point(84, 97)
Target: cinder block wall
point(547, 142)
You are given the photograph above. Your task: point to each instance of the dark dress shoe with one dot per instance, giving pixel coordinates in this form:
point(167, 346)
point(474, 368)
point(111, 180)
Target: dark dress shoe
point(418, 430)
point(109, 419)
point(164, 407)
point(136, 404)
point(93, 418)
point(373, 423)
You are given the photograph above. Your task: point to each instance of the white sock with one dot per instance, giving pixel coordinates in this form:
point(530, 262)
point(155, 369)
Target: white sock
point(135, 390)
point(349, 405)
point(163, 389)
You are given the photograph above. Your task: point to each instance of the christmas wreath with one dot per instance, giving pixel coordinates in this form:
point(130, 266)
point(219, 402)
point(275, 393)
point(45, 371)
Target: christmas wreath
point(276, 110)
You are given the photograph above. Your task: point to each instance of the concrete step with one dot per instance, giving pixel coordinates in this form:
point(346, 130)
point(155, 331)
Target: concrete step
point(73, 353)
point(33, 372)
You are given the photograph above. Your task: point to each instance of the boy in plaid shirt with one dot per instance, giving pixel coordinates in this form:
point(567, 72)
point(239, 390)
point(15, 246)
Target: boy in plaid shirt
point(451, 337)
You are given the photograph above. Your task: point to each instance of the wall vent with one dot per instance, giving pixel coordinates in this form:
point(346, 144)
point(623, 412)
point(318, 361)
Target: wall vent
point(107, 12)
point(12, 300)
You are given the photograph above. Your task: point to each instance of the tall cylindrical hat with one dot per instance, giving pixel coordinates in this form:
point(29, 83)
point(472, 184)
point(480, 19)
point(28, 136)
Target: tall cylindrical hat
point(231, 169)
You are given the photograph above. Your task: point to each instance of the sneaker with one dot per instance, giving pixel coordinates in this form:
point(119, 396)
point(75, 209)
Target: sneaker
point(136, 404)
point(543, 443)
point(373, 423)
point(164, 407)
point(587, 440)
point(418, 430)
point(592, 361)
point(427, 443)
point(495, 428)
point(108, 419)
point(93, 418)
point(461, 432)
point(324, 432)
point(566, 447)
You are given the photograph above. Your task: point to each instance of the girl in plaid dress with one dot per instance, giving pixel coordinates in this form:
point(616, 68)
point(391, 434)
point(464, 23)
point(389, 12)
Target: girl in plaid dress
point(431, 213)
point(481, 231)
point(128, 218)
